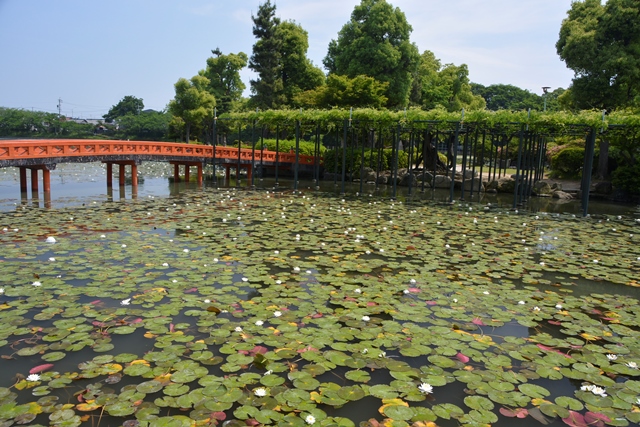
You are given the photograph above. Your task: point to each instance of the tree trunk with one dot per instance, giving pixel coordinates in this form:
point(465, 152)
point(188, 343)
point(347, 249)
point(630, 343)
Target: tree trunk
point(187, 129)
point(603, 159)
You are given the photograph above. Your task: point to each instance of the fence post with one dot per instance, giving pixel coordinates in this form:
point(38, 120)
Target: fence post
point(586, 171)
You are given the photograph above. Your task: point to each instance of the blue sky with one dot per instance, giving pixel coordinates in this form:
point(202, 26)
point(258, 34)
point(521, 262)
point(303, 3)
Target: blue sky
point(93, 53)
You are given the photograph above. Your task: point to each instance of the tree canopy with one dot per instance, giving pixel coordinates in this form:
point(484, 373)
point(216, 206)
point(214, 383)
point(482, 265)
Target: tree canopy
point(445, 86)
point(375, 42)
point(342, 91)
point(223, 72)
point(127, 105)
point(280, 59)
point(192, 103)
point(601, 44)
point(507, 97)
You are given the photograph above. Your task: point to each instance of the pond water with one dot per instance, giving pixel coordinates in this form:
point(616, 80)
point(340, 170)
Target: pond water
point(230, 306)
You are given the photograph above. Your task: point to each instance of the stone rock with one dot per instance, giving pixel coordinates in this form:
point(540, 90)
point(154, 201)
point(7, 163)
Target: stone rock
point(503, 185)
point(603, 187)
point(382, 179)
point(558, 194)
point(542, 188)
point(442, 181)
point(473, 185)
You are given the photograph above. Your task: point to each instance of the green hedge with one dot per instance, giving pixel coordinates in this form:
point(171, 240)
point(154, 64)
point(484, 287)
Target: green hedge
point(307, 148)
point(627, 178)
point(353, 158)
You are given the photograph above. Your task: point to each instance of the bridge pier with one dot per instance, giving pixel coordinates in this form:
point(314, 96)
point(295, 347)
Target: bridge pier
point(121, 172)
point(187, 172)
point(46, 179)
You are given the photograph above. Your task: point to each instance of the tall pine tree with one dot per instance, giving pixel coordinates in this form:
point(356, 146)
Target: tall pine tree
point(267, 89)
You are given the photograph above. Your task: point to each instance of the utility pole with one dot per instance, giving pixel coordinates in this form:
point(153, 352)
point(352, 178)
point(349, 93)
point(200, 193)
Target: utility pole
point(59, 113)
point(545, 90)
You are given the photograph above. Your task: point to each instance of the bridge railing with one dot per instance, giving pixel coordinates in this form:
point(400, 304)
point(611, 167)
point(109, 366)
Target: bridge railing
point(42, 149)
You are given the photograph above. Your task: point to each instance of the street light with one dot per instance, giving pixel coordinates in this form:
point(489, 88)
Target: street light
point(545, 90)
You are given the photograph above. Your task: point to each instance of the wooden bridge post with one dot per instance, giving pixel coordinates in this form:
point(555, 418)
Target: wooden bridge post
point(134, 175)
point(121, 175)
point(23, 179)
point(249, 172)
point(46, 180)
point(227, 172)
point(109, 174)
point(34, 183)
point(176, 172)
point(186, 172)
point(199, 166)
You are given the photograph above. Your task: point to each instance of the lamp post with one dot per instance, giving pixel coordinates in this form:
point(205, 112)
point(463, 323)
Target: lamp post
point(545, 90)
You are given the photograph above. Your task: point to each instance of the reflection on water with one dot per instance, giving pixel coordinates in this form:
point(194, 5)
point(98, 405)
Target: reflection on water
point(74, 184)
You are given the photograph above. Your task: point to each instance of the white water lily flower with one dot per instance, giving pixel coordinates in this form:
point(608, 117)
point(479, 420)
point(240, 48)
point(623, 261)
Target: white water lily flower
point(558, 306)
point(51, 239)
point(521, 302)
point(238, 329)
point(1, 291)
point(276, 252)
point(366, 318)
point(486, 292)
point(165, 264)
point(425, 388)
point(124, 246)
point(406, 291)
point(260, 392)
point(588, 387)
point(269, 372)
point(599, 391)
point(185, 250)
point(259, 323)
point(33, 377)
point(358, 291)
point(455, 300)
point(310, 419)
point(612, 356)
point(207, 301)
point(412, 281)
point(244, 279)
point(536, 308)
point(52, 259)
point(277, 313)
point(278, 282)
point(632, 365)
point(382, 354)
point(102, 236)
point(125, 301)
point(36, 284)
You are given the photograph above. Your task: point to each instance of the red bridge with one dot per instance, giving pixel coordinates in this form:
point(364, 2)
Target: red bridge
point(44, 154)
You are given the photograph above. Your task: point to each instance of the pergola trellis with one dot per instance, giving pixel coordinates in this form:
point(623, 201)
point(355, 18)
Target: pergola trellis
point(481, 147)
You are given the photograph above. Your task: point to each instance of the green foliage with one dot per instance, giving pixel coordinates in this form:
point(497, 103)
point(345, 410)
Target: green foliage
point(333, 159)
point(507, 97)
point(225, 84)
point(568, 162)
point(375, 42)
point(266, 59)
point(280, 59)
point(445, 86)
point(127, 105)
point(147, 126)
point(192, 103)
point(342, 91)
point(306, 148)
point(600, 43)
point(627, 178)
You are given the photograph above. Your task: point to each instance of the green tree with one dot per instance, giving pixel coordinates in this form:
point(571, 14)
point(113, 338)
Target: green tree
point(192, 103)
point(601, 44)
point(146, 126)
point(508, 97)
point(375, 42)
point(223, 72)
point(298, 72)
point(127, 105)
point(342, 91)
point(267, 89)
point(445, 86)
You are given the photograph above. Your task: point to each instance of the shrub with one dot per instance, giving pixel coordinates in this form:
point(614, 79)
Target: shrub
point(627, 178)
point(568, 162)
point(353, 158)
